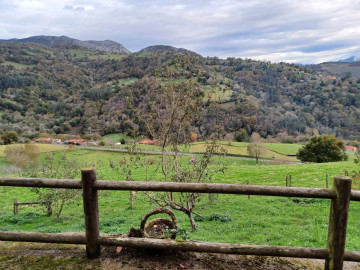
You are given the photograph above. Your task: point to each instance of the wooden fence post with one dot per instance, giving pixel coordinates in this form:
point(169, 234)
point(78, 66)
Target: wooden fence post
point(290, 180)
point(16, 207)
point(339, 210)
point(286, 181)
point(91, 211)
point(327, 179)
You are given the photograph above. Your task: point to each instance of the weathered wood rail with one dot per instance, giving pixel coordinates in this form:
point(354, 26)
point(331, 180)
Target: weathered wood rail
point(334, 254)
point(17, 203)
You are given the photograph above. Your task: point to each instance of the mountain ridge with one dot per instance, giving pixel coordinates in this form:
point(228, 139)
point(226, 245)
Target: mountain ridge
point(79, 91)
point(167, 48)
point(56, 41)
point(350, 59)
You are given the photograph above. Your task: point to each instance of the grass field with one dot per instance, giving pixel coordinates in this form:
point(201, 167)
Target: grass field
point(127, 81)
point(117, 137)
point(219, 93)
point(42, 148)
point(231, 218)
point(14, 64)
point(275, 151)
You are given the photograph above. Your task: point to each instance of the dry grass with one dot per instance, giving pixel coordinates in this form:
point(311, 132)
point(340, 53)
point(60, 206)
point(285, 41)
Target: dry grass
point(42, 148)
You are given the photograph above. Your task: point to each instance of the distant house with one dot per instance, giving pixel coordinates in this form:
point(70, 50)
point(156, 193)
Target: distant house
point(149, 142)
point(351, 148)
point(43, 140)
point(92, 143)
point(48, 140)
point(75, 141)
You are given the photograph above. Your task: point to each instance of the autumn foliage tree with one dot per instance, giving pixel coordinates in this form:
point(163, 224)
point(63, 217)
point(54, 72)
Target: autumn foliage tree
point(9, 137)
point(255, 148)
point(22, 156)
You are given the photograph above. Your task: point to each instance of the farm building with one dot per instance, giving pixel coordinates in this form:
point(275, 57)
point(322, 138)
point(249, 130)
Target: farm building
point(48, 140)
point(75, 141)
point(149, 142)
point(351, 148)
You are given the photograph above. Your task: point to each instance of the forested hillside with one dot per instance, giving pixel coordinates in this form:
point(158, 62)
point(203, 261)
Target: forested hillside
point(75, 90)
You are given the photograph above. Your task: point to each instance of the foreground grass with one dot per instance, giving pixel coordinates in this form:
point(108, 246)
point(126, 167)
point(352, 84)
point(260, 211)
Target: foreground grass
point(230, 218)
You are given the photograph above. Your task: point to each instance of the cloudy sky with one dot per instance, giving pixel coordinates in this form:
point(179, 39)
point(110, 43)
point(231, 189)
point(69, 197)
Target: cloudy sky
point(298, 31)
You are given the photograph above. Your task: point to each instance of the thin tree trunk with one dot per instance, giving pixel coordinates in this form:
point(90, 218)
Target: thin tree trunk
point(131, 199)
point(192, 221)
point(49, 209)
point(61, 208)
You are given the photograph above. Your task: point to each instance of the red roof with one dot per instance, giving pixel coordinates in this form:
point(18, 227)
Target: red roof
point(43, 140)
point(77, 140)
point(149, 142)
point(352, 148)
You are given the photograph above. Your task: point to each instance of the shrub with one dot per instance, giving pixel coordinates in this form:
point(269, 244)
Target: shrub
point(325, 148)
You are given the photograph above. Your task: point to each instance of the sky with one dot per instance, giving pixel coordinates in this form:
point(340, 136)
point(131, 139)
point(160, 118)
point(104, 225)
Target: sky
point(298, 31)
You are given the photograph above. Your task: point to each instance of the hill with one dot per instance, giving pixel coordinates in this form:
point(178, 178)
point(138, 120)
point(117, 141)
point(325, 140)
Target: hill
point(72, 89)
point(53, 41)
point(340, 69)
point(166, 49)
point(350, 59)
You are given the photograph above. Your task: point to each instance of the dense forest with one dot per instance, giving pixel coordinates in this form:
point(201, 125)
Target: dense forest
point(75, 90)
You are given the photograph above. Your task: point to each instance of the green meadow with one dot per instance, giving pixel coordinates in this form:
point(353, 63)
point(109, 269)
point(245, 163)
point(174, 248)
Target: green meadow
point(41, 148)
point(257, 220)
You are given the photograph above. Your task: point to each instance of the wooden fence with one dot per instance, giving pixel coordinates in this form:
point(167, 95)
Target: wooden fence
point(17, 203)
point(334, 254)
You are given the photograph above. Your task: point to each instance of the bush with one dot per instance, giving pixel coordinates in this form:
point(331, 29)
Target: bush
point(325, 148)
point(9, 137)
point(242, 136)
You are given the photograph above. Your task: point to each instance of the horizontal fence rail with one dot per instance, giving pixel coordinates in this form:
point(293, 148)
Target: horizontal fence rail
point(334, 255)
point(321, 193)
point(196, 246)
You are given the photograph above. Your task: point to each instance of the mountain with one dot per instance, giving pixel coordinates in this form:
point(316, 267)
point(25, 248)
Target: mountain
point(166, 48)
point(54, 41)
point(338, 69)
point(74, 90)
point(350, 59)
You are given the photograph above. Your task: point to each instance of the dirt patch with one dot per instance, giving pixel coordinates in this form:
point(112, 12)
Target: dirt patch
point(55, 256)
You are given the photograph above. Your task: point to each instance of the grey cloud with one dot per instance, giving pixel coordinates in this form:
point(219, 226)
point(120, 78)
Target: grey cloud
point(277, 30)
point(68, 7)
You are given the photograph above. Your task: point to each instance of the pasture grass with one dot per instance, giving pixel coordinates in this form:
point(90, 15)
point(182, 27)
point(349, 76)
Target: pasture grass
point(230, 218)
point(117, 137)
point(218, 93)
point(127, 81)
point(41, 148)
point(283, 148)
point(275, 151)
point(14, 64)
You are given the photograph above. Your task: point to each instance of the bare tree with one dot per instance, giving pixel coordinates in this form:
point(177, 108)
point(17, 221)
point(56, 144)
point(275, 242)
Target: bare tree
point(55, 166)
point(255, 148)
point(168, 117)
point(125, 167)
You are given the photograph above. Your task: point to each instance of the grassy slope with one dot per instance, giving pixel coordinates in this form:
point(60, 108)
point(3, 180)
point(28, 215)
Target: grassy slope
point(259, 220)
point(275, 151)
point(42, 148)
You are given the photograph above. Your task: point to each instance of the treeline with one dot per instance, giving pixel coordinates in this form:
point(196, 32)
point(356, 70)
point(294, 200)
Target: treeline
point(73, 90)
